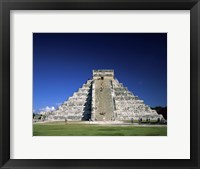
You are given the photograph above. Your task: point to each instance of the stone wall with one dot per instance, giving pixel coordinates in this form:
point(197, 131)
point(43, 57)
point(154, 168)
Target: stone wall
point(107, 74)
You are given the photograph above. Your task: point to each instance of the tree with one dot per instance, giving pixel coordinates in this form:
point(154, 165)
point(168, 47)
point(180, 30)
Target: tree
point(161, 110)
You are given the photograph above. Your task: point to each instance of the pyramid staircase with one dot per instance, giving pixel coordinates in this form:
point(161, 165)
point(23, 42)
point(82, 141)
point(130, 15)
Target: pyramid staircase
point(103, 99)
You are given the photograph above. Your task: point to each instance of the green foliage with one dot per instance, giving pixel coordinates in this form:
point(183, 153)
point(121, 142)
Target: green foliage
point(37, 116)
point(161, 110)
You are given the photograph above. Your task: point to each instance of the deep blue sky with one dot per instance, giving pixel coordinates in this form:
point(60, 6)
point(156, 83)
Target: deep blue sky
point(62, 62)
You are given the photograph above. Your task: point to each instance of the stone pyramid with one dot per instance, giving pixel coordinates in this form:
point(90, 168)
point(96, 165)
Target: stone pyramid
point(103, 98)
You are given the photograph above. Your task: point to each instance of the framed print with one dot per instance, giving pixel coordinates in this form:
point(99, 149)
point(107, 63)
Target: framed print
point(99, 84)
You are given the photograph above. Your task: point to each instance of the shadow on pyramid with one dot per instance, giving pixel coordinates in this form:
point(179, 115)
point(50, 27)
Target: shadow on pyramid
point(103, 98)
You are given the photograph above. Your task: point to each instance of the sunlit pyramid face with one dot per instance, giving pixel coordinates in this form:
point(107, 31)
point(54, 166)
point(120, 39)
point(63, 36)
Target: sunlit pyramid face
point(103, 98)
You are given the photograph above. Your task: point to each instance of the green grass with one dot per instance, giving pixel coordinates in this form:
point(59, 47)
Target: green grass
point(76, 129)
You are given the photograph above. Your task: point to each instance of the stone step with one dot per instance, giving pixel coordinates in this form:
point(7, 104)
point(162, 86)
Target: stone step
point(103, 100)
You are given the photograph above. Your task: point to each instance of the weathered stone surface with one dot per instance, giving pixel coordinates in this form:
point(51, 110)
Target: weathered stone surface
point(103, 99)
point(77, 107)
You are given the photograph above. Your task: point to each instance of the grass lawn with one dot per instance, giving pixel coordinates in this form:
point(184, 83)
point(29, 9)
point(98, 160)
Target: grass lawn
point(75, 129)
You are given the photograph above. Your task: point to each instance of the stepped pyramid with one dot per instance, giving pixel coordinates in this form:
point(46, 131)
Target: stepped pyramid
point(103, 99)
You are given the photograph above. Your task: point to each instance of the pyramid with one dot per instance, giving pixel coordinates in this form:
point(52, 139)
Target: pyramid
point(103, 98)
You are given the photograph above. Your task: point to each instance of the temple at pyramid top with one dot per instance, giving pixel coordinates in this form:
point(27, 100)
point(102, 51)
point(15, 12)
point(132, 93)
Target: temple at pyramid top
point(103, 73)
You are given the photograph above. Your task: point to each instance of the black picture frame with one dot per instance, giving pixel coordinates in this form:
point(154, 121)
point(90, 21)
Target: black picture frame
point(7, 5)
